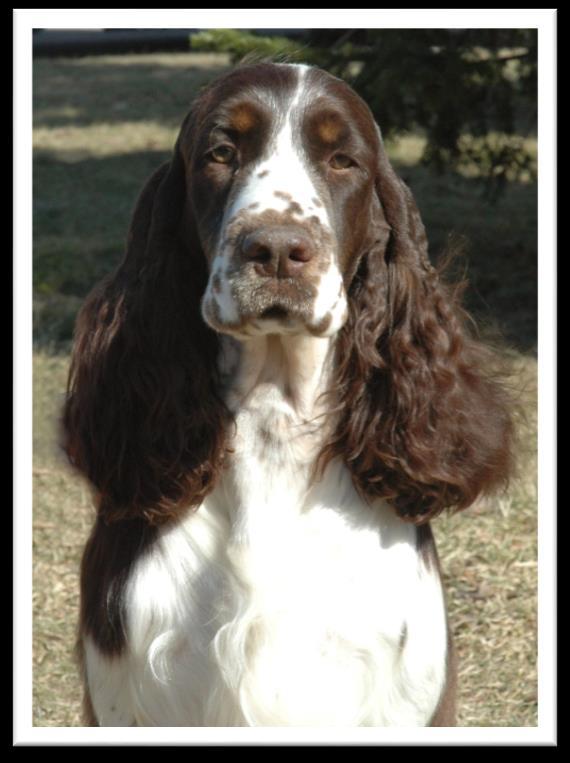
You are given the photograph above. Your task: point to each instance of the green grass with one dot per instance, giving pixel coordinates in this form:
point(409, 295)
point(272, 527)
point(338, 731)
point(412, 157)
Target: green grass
point(101, 126)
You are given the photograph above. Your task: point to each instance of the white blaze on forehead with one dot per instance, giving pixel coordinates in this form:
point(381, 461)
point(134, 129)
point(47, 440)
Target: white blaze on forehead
point(280, 177)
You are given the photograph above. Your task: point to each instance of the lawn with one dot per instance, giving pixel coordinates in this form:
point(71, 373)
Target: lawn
point(101, 125)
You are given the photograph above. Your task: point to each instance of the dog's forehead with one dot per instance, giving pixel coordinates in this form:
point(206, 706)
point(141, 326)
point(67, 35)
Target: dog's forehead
point(264, 85)
point(274, 90)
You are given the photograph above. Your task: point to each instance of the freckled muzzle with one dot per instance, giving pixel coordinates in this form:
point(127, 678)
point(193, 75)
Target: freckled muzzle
point(269, 274)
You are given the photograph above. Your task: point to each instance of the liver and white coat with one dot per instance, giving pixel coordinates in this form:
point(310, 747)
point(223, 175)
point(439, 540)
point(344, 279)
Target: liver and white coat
point(272, 396)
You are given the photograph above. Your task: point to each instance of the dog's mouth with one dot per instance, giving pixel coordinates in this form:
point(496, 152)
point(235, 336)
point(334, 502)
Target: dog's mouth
point(275, 313)
point(274, 299)
point(280, 316)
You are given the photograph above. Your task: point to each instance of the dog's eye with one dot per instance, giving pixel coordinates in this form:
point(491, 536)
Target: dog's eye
point(223, 154)
point(341, 162)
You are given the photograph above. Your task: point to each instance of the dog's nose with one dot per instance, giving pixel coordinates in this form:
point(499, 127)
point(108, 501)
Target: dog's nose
point(278, 251)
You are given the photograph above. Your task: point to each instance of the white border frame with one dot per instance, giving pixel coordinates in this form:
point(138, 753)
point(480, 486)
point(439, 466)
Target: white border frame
point(27, 19)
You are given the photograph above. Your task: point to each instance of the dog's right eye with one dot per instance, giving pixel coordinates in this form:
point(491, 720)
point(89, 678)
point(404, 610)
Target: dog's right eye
point(222, 154)
point(341, 162)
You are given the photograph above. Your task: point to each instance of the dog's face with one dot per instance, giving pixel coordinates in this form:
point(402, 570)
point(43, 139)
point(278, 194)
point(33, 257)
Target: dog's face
point(281, 179)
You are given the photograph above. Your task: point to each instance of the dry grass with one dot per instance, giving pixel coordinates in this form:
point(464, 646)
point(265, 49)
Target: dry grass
point(62, 516)
point(489, 559)
point(94, 147)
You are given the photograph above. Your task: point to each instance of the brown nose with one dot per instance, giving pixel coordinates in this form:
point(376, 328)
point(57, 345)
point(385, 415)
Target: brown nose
point(278, 251)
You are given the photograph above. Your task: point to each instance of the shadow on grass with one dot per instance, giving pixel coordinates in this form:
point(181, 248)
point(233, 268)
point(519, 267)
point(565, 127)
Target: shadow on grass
point(80, 92)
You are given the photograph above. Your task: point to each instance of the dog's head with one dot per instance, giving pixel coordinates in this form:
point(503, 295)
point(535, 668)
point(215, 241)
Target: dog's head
point(282, 165)
point(279, 212)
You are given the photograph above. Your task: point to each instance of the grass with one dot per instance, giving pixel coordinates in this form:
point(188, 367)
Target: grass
point(62, 518)
point(489, 559)
point(101, 126)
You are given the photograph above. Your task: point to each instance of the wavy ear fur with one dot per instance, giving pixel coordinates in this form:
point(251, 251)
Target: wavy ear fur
point(424, 422)
point(142, 420)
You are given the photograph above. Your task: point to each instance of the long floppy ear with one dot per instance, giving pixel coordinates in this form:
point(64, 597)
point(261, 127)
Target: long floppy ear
point(424, 422)
point(142, 419)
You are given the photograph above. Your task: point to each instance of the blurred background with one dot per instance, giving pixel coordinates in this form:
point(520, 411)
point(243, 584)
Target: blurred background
point(457, 109)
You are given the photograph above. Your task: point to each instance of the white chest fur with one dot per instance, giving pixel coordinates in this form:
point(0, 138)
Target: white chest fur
point(279, 602)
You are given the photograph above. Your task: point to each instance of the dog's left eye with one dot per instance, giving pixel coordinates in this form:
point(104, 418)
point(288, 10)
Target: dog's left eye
point(341, 162)
point(223, 154)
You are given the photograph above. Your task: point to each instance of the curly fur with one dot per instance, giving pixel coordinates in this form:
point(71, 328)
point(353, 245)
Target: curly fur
point(143, 418)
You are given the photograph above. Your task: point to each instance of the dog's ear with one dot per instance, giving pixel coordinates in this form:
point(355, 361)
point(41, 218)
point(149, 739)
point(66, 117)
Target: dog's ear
point(424, 422)
point(142, 419)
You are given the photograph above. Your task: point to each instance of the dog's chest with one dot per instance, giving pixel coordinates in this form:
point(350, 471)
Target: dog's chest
point(275, 603)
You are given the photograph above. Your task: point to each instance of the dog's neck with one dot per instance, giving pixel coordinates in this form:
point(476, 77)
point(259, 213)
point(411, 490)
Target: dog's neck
point(278, 372)
point(274, 388)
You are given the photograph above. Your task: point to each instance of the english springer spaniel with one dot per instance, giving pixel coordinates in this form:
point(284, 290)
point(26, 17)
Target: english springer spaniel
point(272, 396)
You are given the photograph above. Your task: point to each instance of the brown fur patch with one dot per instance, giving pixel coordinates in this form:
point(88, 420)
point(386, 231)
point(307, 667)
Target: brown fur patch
point(321, 327)
point(244, 118)
point(329, 130)
point(295, 208)
point(425, 545)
